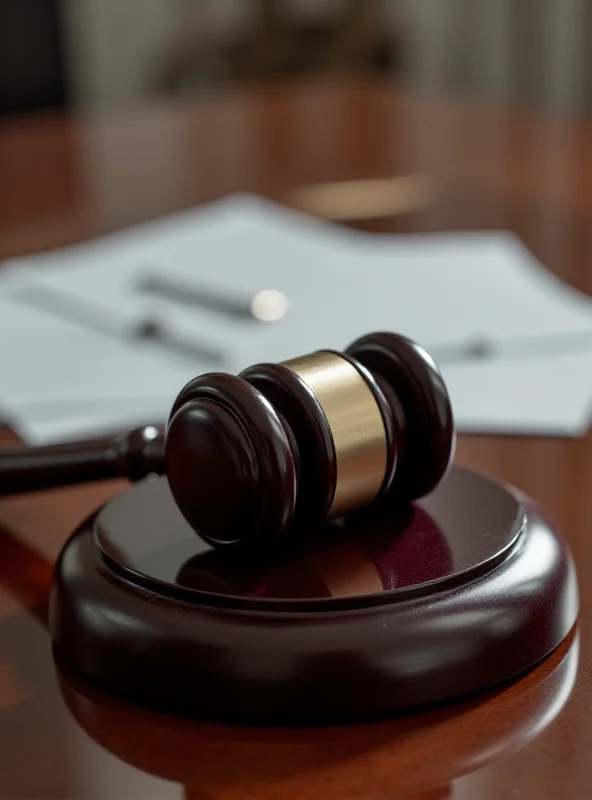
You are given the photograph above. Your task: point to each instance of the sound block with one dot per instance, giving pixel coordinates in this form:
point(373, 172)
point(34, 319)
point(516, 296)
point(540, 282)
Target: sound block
point(369, 614)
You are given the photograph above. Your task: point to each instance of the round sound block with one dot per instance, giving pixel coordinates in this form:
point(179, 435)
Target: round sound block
point(367, 614)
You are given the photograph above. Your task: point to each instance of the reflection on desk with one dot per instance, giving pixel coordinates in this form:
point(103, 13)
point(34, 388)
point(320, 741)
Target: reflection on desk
point(381, 759)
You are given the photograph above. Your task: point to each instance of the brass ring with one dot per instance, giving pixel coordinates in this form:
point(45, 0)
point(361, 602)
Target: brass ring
point(356, 425)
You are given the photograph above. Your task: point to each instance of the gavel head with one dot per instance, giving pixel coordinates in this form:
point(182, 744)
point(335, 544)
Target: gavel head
point(282, 447)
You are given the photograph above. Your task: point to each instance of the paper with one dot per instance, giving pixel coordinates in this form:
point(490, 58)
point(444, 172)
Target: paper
point(440, 289)
point(47, 361)
point(541, 396)
point(88, 420)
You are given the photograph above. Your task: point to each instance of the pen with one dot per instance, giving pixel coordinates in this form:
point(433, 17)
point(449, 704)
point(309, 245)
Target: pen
point(268, 305)
point(91, 317)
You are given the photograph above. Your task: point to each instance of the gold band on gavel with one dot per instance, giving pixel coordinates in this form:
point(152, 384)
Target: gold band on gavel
point(356, 425)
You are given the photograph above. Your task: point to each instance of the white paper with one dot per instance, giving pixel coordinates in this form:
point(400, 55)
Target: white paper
point(50, 361)
point(39, 426)
point(542, 396)
point(436, 288)
point(440, 289)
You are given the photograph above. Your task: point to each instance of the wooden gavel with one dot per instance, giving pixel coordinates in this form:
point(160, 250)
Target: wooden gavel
point(281, 447)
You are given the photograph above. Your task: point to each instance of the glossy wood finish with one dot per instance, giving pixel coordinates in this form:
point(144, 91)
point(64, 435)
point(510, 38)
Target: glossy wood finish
point(132, 455)
point(223, 432)
point(65, 180)
point(429, 428)
point(316, 763)
point(391, 613)
point(317, 473)
point(254, 460)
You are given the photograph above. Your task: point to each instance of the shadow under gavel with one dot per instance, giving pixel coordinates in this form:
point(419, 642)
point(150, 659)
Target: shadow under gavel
point(134, 456)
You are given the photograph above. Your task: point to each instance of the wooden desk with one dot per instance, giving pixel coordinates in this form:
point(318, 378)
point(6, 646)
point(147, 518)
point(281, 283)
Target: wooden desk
point(63, 180)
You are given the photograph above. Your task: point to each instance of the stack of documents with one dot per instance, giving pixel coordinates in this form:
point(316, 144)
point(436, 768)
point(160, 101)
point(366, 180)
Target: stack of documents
point(86, 350)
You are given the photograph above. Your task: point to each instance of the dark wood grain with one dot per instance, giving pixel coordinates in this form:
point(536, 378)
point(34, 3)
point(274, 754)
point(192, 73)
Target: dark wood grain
point(64, 180)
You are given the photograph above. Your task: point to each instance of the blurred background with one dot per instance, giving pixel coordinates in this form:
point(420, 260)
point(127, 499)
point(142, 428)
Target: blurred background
point(100, 55)
point(392, 116)
point(460, 122)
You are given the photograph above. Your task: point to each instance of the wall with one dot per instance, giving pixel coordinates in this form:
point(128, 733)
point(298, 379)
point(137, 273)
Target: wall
point(530, 51)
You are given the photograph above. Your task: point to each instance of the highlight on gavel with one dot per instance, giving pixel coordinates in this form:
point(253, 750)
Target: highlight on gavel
point(282, 447)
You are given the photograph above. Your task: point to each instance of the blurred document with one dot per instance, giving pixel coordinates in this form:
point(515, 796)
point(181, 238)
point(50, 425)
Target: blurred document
point(443, 290)
point(541, 396)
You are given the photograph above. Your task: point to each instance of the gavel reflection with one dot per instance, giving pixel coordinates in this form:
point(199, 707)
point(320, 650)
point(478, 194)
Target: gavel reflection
point(380, 758)
point(282, 447)
point(357, 556)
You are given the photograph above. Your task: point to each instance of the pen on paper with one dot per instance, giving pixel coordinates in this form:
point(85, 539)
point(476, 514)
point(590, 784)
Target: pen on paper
point(487, 349)
point(267, 305)
point(89, 316)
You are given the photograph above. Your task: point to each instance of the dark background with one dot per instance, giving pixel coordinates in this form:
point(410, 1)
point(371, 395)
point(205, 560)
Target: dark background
point(32, 64)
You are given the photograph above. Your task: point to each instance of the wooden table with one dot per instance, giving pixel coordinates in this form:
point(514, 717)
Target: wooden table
point(65, 179)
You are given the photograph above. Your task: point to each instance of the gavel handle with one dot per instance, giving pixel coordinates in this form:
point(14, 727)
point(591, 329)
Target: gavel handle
point(134, 456)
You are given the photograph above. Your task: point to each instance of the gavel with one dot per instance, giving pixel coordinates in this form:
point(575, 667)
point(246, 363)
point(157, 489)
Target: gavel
point(256, 458)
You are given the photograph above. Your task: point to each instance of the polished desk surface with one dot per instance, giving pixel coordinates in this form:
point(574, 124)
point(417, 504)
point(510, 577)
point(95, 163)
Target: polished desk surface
point(65, 180)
